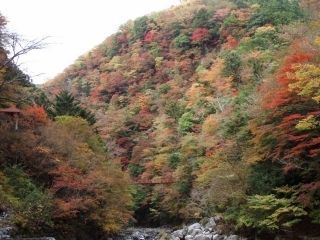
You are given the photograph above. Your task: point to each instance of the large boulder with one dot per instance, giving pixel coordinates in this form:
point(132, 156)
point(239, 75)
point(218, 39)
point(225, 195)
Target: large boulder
point(194, 229)
point(195, 232)
point(194, 226)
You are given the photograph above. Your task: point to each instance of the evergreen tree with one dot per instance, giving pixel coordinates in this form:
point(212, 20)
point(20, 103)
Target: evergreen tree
point(66, 104)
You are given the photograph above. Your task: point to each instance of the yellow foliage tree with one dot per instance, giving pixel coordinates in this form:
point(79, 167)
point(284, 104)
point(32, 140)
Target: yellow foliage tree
point(307, 81)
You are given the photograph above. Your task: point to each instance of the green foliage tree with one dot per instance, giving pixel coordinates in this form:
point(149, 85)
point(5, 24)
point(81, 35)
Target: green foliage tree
point(66, 104)
point(232, 65)
point(140, 27)
point(174, 159)
point(114, 48)
point(231, 21)
point(271, 213)
point(186, 122)
point(267, 39)
point(276, 12)
point(182, 42)
point(201, 18)
point(264, 177)
point(176, 28)
point(135, 169)
point(174, 109)
point(184, 184)
point(32, 207)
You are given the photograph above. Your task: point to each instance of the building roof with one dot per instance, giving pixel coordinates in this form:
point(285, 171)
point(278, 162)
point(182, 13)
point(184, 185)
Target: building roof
point(11, 109)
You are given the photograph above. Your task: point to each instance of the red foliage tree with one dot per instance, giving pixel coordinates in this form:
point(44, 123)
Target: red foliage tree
point(35, 115)
point(231, 42)
point(200, 35)
point(150, 36)
point(284, 78)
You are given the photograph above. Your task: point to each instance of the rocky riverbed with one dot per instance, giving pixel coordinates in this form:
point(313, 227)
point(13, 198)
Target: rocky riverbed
point(196, 231)
point(208, 231)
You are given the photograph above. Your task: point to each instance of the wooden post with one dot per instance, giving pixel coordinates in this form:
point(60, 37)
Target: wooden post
point(16, 126)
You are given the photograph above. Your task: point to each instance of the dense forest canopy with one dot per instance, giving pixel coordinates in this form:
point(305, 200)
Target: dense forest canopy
point(210, 107)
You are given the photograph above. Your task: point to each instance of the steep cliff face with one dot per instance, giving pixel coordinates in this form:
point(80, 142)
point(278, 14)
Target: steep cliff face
point(211, 106)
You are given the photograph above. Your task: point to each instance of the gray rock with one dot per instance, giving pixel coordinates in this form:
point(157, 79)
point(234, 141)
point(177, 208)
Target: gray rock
point(185, 231)
point(4, 236)
point(179, 234)
point(203, 237)
point(188, 237)
point(194, 229)
point(195, 232)
point(194, 226)
point(40, 238)
point(233, 237)
point(217, 219)
point(217, 237)
point(137, 236)
point(210, 230)
point(211, 224)
point(173, 238)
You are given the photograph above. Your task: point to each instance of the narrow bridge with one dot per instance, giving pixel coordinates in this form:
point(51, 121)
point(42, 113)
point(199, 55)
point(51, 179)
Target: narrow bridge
point(155, 182)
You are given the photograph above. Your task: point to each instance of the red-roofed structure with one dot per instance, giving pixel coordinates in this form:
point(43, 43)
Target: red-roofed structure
point(13, 112)
point(10, 110)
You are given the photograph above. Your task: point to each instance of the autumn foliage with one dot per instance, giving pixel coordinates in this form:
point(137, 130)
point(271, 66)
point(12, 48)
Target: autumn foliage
point(210, 107)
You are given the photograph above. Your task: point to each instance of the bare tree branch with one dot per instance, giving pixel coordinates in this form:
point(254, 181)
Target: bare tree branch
point(20, 47)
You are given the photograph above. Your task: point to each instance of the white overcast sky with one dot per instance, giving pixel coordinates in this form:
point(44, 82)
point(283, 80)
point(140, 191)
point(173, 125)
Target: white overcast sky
point(74, 27)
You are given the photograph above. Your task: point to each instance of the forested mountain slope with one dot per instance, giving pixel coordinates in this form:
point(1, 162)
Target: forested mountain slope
point(212, 107)
point(55, 179)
